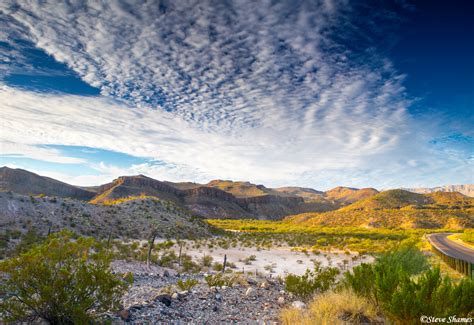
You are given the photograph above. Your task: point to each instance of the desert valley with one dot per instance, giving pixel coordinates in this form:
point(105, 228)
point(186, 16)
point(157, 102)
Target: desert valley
point(203, 162)
point(231, 246)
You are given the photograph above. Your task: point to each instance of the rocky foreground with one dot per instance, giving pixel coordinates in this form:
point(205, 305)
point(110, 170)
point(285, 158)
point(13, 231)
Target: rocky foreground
point(155, 298)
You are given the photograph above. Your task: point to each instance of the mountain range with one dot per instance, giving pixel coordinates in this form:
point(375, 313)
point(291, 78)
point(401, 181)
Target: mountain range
point(216, 199)
point(466, 189)
point(347, 206)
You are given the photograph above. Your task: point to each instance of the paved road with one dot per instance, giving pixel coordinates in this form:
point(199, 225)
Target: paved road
point(451, 248)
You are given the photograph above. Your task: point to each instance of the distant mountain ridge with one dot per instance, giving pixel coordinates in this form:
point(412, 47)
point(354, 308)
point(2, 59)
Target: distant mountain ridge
point(466, 189)
point(24, 182)
point(230, 199)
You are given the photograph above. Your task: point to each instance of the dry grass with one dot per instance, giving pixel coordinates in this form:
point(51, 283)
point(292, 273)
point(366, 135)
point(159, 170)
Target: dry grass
point(333, 308)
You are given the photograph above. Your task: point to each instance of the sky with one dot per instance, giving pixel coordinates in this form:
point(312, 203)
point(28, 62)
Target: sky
point(305, 93)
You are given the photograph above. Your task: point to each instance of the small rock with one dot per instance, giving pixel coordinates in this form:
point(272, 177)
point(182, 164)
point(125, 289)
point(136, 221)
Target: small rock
point(282, 292)
point(218, 297)
point(175, 295)
point(298, 304)
point(264, 285)
point(281, 300)
point(183, 293)
point(251, 281)
point(224, 287)
point(249, 292)
point(124, 314)
point(166, 274)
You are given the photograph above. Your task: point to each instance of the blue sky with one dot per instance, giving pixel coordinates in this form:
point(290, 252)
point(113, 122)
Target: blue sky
point(309, 93)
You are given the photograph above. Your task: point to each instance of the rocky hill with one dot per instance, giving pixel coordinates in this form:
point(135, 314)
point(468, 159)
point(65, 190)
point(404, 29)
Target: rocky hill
point(241, 189)
point(391, 199)
point(467, 189)
point(204, 200)
point(132, 218)
point(397, 199)
point(348, 195)
point(27, 183)
point(401, 209)
point(308, 194)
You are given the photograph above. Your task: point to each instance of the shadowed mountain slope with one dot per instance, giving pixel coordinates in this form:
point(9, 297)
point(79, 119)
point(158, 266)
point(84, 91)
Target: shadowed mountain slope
point(27, 183)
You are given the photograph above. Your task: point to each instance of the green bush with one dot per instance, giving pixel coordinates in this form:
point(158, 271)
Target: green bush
point(431, 294)
point(217, 266)
point(206, 260)
point(219, 280)
point(28, 240)
point(61, 281)
point(399, 284)
point(187, 264)
point(168, 259)
point(379, 280)
point(188, 284)
point(306, 285)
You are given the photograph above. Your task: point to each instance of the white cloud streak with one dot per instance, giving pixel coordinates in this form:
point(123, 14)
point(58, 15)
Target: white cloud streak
point(177, 151)
point(246, 90)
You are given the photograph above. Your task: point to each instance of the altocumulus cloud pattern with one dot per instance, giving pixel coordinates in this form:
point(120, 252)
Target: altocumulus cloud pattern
point(262, 90)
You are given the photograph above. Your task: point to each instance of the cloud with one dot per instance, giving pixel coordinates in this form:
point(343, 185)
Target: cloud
point(243, 90)
point(236, 65)
point(18, 150)
point(177, 151)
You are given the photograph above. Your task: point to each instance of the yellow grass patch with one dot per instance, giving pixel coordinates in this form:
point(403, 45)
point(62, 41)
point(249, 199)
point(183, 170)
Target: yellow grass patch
point(333, 308)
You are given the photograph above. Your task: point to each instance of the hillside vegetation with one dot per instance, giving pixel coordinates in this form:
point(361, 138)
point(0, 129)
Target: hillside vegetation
point(134, 218)
point(347, 195)
point(399, 209)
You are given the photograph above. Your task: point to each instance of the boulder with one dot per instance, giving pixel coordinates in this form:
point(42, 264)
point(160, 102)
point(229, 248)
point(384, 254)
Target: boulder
point(250, 292)
point(298, 304)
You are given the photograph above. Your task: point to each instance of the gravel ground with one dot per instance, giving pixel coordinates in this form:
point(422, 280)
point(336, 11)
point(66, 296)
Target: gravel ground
point(255, 301)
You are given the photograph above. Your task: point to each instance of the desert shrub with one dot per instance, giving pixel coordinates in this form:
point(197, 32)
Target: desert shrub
point(379, 280)
point(28, 240)
point(248, 260)
point(468, 236)
point(206, 261)
point(188, 284)
point(430, 294)
point(343, 307)
point(231, 265)
point(188, 265)
point(168, 259)
point(407, 257)
point(61, 281)
point(305, 286)
point(390, 283)
point(219, 280)
point(216, 266)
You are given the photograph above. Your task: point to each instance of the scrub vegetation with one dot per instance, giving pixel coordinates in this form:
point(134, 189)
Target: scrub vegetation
point(397, 288)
